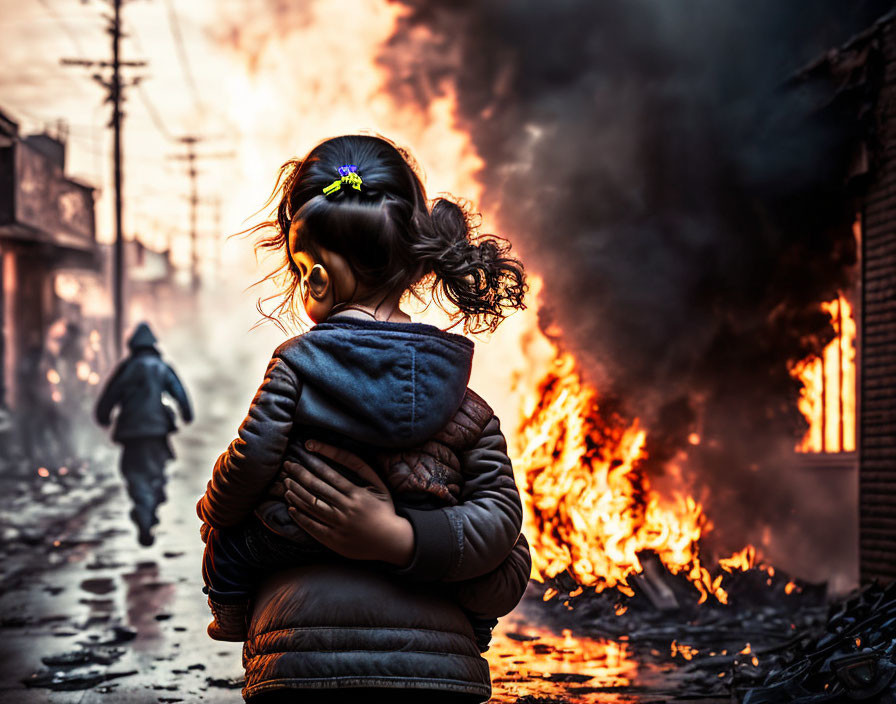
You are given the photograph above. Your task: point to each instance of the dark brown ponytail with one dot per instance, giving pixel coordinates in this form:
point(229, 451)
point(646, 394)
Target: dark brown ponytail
point(389, 236)
point(473, 272)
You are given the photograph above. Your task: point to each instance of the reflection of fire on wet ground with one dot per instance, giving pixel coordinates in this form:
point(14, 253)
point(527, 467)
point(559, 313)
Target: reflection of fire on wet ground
point(146, 598)
point(585, 646)
point(532, 660)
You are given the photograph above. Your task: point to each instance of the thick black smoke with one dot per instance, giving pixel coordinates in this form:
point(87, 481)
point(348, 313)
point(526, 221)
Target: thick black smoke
point(684, 204)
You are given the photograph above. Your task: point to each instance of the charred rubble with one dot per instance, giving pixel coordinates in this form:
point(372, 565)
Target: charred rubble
point(777, 639)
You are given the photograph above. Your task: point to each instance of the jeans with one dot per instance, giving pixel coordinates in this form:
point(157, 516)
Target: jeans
point(143, 467)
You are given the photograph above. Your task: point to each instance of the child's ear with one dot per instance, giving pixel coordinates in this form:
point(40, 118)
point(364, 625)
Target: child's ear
point(318, 282)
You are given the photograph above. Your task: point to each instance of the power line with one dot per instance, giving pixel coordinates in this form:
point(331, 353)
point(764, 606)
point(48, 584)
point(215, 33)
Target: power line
point(151, 110)
point(190, 156)
point(174, 24)
point(72, 35)
point(115, 85)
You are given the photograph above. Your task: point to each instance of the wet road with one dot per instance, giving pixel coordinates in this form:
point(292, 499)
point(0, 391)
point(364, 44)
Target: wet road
point(139, 614)
point(160, 651)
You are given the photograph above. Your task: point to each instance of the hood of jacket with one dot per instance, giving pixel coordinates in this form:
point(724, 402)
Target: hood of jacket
point(380, 383)
point(142, 338)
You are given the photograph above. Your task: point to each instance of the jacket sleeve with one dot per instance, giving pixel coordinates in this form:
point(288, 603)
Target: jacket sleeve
point(110, 396)
point(472, 538)
point(497, 593)
point(244, 471)
point(174, 387)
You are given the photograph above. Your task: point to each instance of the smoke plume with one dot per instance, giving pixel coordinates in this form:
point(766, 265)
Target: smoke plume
point(683, 202)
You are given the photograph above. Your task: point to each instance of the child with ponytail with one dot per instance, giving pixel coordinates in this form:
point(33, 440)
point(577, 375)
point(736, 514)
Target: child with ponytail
point(364, 441)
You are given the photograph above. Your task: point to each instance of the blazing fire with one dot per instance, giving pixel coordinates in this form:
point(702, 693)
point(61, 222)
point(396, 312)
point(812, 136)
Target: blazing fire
point(828, 394)
point(590, 507)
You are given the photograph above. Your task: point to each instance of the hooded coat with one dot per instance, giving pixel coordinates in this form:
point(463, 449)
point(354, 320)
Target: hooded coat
point(136, 388)
point(379, 389)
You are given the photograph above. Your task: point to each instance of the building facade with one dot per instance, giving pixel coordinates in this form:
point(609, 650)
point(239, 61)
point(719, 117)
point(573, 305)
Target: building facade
point(47, 225)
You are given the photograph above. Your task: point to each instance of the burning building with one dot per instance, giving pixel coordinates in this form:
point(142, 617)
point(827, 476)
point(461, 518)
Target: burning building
point(863, 75)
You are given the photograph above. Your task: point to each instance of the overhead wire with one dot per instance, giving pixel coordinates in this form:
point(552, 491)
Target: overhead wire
point(181, 50)
point(72, 35)
point(154, 115)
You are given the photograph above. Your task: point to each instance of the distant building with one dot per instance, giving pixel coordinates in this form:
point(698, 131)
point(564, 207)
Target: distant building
point(151, 288)
point(47, 226)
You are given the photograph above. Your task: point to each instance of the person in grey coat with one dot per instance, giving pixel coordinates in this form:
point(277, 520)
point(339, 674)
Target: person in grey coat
point(143, 424)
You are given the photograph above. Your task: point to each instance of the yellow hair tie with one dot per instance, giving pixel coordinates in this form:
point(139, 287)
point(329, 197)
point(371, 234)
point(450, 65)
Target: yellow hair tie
point(347, 174)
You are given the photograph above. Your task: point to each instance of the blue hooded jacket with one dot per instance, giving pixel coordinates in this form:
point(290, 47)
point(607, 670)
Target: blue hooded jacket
point(381, 387)
point(375, 385)
point(383, 384)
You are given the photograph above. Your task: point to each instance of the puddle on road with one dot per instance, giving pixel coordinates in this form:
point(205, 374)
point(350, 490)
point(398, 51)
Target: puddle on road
point(145, 599)
point(98, 586)
point(532, 660)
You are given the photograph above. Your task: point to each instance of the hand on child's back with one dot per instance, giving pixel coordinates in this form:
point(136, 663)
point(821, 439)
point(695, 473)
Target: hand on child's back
point(357, 522)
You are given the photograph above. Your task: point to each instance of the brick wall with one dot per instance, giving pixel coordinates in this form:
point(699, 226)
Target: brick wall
point(877, 424)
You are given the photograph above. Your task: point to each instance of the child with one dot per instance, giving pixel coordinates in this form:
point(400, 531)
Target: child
point(356, 232)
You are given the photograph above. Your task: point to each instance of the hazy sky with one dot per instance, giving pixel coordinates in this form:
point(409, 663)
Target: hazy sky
point(256, 84)
point(271, 80)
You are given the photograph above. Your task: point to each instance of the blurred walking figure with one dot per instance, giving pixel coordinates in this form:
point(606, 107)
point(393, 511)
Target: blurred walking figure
point(143, 424)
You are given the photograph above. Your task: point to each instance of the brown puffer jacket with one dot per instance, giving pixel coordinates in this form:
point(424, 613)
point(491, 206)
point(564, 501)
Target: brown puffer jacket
point(335, 626)
point(309, 627)
point(386, 387)
point(424, 478)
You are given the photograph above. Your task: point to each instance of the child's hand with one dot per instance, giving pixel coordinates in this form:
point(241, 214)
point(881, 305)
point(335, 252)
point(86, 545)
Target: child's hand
point(359, 523)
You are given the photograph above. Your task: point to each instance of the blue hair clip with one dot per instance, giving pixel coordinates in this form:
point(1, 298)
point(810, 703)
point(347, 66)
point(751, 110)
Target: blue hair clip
point(348, 173)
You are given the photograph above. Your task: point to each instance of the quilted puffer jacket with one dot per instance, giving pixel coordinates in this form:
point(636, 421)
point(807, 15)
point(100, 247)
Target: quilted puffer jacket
point(397, 395)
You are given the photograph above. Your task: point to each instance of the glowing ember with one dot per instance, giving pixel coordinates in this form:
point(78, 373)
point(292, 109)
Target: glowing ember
point(743, 560)
point(686, 651)
point(828, 394)
point(590, 507)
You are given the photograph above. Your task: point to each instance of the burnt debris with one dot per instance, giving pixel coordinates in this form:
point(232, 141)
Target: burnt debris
point(776, 640)
point(852, 658)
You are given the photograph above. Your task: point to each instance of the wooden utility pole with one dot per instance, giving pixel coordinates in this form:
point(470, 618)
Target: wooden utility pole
point(115, 85)
point(190, 156)
point(116, 95)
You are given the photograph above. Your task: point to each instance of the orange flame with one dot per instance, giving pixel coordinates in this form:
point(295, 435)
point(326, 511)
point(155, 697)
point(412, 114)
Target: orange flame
point(590, 508)
point(828, 395)
point(743, 560)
